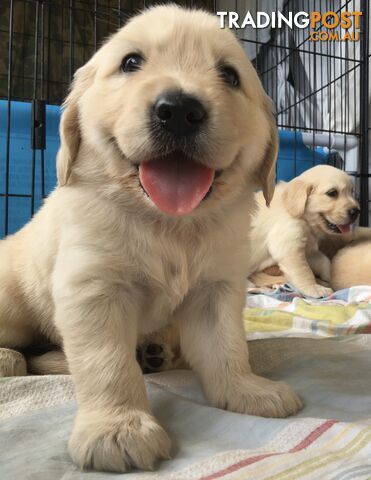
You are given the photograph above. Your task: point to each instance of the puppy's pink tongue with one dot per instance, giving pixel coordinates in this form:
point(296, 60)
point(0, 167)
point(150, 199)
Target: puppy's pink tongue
point(175, 184)
point(344, 228)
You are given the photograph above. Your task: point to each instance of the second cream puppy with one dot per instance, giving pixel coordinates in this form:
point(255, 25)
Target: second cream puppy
point(312, 206)
point(352, 266)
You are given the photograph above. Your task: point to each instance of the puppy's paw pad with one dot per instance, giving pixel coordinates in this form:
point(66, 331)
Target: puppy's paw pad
point(258, 396)
point(152, 357)
point(118, 443)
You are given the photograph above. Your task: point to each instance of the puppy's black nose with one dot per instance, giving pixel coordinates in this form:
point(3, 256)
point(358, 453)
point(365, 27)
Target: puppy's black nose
point(353, 213)
point(179, 114)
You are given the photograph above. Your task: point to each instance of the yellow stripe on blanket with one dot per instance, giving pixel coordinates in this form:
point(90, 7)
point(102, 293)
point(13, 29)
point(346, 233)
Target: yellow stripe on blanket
point(303, 318)
point(263, 320)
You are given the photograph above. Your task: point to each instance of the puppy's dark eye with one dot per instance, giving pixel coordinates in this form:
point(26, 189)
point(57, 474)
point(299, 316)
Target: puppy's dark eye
point(229, 75)
point(333, 193)
point(132, 62)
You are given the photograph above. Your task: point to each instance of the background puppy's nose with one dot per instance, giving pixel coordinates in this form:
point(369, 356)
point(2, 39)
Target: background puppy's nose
point(353, 213)
point(179, 113)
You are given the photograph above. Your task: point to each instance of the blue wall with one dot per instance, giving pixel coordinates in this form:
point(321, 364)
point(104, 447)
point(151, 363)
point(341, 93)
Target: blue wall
point(20, 161)
point(294, 157)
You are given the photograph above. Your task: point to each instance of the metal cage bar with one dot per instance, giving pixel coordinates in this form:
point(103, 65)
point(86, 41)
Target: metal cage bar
point(364, 105)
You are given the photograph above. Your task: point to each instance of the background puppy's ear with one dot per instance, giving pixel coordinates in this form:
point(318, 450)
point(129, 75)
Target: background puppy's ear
point(295, 197)
point(69, 129)
point(267, 172)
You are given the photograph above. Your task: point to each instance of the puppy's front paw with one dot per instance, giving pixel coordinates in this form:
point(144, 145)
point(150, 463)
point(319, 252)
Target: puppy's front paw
point(258, 396)
point(317, 291)
point(118, 442)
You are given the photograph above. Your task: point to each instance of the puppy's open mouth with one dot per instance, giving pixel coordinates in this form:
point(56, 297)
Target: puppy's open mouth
point(342, 229)
point(175, 183)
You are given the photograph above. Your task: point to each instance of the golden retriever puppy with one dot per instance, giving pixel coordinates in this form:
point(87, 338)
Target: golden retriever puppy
point(351, 266)
point(315, 204)
point(165, 136)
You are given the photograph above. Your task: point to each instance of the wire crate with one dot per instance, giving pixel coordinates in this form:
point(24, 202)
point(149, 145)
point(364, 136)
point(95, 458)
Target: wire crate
point(320, 90)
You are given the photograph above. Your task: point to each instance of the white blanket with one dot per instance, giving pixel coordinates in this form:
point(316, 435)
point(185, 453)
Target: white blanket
point(329, 439)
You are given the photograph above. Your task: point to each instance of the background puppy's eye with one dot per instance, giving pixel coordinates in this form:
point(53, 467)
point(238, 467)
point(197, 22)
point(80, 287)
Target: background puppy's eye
point(229, 75)
point(132, 62)
point(333, 193)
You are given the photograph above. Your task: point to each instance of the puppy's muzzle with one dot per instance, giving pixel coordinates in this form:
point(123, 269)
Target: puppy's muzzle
point(353, 214)
point(179, 114)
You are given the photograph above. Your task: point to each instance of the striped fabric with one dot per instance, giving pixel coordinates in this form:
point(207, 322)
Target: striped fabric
point(330, 439)
point(283, 312)
point(332, 450)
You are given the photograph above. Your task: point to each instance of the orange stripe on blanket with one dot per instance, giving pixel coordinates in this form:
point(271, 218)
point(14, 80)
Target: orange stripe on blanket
point(312, 437)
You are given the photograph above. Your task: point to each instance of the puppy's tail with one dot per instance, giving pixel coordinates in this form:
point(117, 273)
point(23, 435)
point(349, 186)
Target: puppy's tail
point(49, 363)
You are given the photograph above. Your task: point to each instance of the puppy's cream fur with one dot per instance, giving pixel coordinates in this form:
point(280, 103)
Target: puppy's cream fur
point(289, 231)
point(100, 265)
point(352, 266)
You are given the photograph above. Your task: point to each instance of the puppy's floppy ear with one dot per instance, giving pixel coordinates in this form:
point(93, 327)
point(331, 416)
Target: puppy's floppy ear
point(295, 197)
point(267, 172)
point(69, 129)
